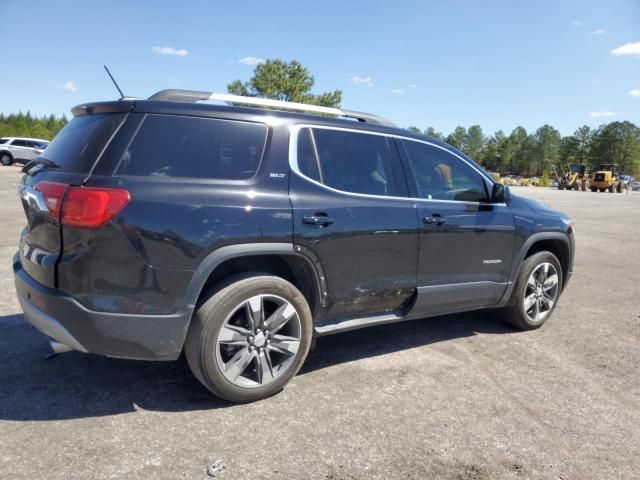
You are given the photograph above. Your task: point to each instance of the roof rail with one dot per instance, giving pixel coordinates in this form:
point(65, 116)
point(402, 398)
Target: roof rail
point(192, 96)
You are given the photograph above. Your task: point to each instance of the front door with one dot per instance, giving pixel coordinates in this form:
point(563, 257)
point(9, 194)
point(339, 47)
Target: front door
point(466, 242)
point(346, 218)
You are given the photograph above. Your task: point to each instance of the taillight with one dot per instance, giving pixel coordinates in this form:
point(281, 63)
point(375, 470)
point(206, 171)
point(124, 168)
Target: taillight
point(52, 193)
point(83, 207)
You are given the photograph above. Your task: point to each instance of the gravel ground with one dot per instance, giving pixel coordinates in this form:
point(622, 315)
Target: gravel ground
point(450, 397)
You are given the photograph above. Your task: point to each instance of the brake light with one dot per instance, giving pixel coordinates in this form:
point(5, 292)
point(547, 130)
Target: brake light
point(52, 192)
point(92, 207)
point(83, 207)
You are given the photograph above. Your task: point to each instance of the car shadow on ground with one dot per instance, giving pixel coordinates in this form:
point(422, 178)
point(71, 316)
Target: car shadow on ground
point(75, 385)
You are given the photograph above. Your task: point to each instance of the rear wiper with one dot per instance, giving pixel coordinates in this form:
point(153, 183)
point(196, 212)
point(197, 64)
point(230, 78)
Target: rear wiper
point(40, 161)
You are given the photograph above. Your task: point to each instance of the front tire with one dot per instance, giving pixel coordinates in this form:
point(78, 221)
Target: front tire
point(6, 159)
point(249, 337)
point(536, 293)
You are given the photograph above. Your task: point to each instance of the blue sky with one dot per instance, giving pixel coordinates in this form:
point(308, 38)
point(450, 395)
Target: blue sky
point(427, 63)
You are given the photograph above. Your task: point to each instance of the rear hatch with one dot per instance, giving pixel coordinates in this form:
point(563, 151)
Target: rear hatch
point(67, 161)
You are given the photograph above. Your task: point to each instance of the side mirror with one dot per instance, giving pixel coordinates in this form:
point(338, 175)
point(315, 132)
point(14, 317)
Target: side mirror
point(499, 193)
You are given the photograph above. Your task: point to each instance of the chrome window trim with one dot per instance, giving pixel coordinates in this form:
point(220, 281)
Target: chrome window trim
point(293, 164)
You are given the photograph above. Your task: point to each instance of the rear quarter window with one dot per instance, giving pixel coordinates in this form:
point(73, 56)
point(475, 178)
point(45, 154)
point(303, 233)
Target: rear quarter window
point(194, 147)
point(3, 141)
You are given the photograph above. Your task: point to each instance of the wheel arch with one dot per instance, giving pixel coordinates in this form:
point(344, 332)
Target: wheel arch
point(279, 259)
point(555, 242)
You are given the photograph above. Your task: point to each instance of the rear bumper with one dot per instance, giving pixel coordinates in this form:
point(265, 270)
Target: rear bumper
point(62, 318)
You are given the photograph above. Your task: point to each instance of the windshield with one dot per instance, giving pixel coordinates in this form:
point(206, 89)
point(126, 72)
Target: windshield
point(78, 145)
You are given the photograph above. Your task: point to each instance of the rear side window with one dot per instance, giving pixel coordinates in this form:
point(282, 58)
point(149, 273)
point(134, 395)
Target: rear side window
point(354, 162)
point(192, 147)
point(3, 141)
point(36, 144)
point(77, 146)
point(307, 161)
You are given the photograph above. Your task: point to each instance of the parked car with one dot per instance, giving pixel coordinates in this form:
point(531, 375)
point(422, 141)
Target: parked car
point(626, 180)
point(22, 150)
point(635, 186)
point(240, 234)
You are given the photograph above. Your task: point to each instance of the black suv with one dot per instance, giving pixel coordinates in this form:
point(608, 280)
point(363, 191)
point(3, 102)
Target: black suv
point(241, 233)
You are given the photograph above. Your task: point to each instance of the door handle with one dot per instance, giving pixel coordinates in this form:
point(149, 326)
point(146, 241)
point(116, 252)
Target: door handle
point(436, 219)
point(321, 220)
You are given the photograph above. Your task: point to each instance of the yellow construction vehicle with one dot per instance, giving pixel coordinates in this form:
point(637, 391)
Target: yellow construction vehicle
point(575, 177)
point(607, 177)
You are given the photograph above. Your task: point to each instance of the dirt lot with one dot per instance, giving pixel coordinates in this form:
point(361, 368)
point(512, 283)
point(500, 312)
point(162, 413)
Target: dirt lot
point(451, 397)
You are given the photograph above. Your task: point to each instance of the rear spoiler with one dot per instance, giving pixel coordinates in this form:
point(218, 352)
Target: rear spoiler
point(116, 106)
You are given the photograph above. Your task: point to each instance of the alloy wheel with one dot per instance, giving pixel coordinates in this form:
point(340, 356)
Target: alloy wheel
point(541, 292)
point(258, 341)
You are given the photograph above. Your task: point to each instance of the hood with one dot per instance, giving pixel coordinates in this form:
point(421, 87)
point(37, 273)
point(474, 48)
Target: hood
point(535, 206)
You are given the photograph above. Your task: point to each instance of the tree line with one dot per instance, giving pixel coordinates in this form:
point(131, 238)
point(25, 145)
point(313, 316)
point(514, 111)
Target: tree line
point(27, 125)
point(520, 152)
point(535, 153)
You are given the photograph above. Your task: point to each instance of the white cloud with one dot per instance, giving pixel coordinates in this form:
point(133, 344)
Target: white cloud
point(601, 114)
point(69, 86)
point(634, 93)
point(251, 61)
point(361, 80)
point(598, 32)
point(413, 85)
point(575, 23)
point(398, 91)
point(627, 49)
point(180, 52)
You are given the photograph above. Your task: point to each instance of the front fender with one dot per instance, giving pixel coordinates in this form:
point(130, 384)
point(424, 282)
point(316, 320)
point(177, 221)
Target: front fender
point(519, 257)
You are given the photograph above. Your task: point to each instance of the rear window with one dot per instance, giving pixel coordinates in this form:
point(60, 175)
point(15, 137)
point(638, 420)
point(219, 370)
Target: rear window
point(193, 147)
point(77, 146)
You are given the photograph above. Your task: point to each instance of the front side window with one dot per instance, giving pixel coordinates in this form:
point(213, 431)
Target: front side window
point(195, 147)
point(440, 175)
point(354, 162)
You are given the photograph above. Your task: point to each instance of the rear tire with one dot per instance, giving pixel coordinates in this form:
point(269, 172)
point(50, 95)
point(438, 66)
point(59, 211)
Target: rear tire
point(6, 159)
point(242, 356)
point(536, 292)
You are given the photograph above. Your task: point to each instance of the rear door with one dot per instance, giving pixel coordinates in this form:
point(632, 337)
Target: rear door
point(67, 161)
point(466, 242)
point(19, 150)
point(35, 149)
point(352, 216)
